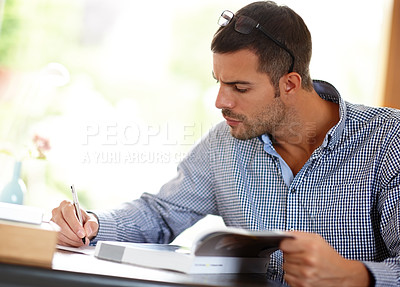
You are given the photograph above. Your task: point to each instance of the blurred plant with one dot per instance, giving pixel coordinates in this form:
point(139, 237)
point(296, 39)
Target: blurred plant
point(38, 149)
point(42, 145)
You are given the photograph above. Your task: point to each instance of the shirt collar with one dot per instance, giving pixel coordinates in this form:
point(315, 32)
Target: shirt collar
point(329, 93)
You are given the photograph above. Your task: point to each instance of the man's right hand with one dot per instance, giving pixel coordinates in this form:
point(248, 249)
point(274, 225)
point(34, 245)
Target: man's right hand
point(72, 232)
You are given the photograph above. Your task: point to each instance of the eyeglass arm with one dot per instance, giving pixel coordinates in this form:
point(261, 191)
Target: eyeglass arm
point(259, 27)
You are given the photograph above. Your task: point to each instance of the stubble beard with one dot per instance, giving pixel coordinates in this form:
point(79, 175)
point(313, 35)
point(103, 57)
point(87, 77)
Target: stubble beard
point(266, 120)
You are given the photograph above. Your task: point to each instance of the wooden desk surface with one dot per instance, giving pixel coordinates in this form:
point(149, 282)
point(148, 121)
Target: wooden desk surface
point(72, 269)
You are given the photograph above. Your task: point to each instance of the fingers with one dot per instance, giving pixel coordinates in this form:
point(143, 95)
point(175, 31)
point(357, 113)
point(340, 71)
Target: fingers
point(299, 263)
point(91, 225)
point(71, 232)
point(300, 266)
point(66, 241)
point(300, 242)
point(309, 260)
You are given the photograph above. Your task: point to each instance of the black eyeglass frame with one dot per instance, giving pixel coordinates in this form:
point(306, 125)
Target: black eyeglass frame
point(227, 16)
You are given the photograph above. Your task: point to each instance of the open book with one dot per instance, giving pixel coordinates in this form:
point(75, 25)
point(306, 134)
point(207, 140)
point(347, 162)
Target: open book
point(229, 250)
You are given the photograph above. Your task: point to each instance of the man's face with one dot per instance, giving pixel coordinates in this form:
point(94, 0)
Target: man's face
point(246, 97)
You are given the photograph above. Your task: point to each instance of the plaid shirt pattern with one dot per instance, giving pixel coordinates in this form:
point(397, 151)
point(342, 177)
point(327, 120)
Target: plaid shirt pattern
point(348, 191)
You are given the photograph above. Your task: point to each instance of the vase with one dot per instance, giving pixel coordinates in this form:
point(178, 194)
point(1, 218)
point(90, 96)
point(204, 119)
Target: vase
point(15, 190)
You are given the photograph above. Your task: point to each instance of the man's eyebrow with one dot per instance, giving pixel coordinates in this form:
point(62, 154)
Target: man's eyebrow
point(231, 83)
point(236, 83)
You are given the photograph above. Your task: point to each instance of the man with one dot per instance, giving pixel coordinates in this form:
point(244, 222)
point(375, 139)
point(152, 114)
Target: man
point(292, 155)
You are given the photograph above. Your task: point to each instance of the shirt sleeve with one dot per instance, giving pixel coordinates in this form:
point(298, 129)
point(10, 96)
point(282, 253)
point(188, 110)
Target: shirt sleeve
point(387, 272)
point(159, 218)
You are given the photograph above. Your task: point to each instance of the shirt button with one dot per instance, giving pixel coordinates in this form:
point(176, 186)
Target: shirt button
point(293, 190)
point(291, 229)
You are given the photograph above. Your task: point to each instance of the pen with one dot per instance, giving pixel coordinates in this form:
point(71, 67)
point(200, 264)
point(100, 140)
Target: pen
point(77, 208)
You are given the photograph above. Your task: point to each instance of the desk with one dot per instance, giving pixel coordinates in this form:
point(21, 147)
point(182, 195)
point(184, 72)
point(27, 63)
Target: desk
point(80, 270)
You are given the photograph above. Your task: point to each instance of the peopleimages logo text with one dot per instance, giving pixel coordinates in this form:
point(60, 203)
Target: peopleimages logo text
point(132, 143)
point(114, 133)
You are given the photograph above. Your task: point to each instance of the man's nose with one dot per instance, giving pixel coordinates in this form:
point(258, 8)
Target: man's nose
point(224, 99)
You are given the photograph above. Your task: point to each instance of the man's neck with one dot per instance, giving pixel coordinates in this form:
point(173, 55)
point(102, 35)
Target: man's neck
point(297, 140)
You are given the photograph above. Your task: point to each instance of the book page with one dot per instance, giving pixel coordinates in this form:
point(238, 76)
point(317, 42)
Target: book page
point(239, 243)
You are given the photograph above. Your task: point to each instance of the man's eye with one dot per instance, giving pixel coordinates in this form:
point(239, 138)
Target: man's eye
point(240, 90)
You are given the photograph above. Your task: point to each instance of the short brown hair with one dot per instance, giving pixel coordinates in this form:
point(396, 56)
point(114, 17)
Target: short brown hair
point(283, 24)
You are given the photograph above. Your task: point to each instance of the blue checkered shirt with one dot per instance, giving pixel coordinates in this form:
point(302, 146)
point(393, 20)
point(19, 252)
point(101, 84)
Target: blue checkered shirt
point(348, 191)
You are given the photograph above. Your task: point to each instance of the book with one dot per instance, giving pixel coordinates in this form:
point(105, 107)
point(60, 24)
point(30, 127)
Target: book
point(24, 238)
point(21, 213)
point(229, 250)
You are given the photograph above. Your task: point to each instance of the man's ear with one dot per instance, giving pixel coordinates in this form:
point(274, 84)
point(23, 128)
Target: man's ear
point(290, 83)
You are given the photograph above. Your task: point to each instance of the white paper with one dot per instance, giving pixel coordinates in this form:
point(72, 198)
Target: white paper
point(89, 250)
